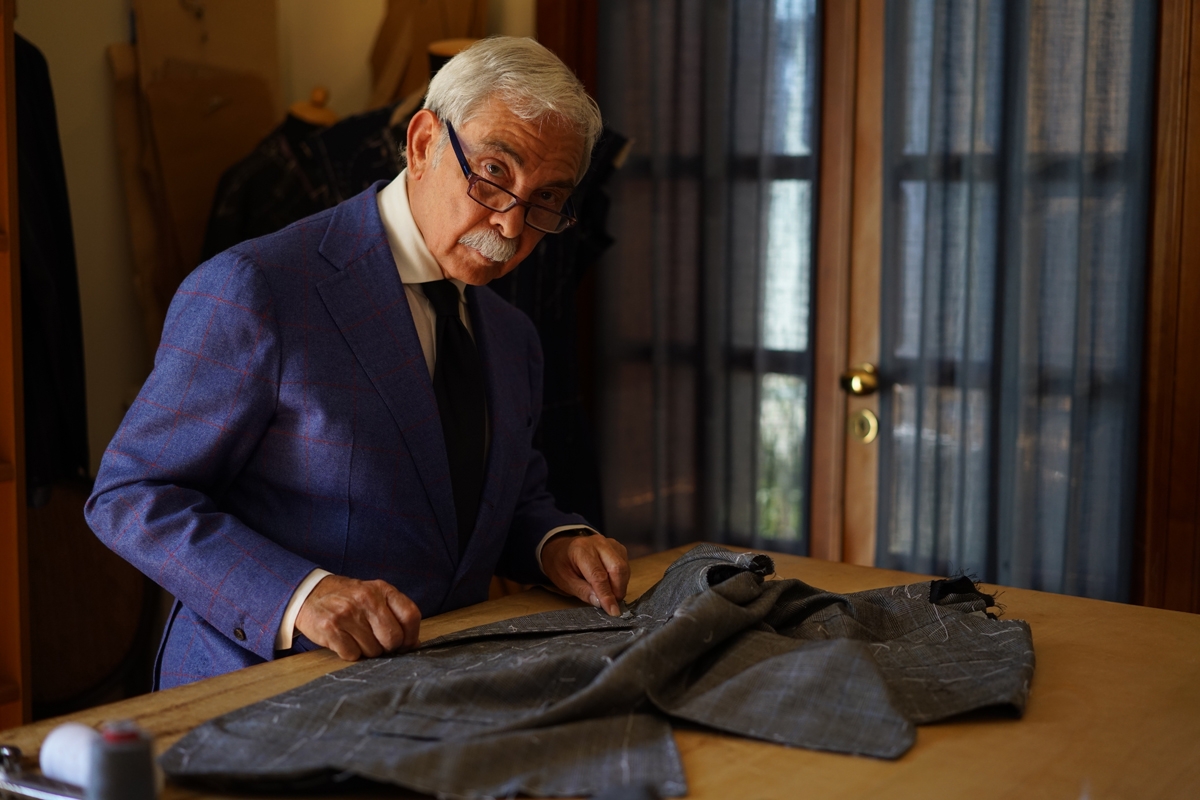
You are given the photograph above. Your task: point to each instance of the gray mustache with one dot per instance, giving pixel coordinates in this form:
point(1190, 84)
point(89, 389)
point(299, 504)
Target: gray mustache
point(491, 244)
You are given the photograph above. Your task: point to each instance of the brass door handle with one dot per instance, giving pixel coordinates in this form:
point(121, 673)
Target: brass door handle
point(860, 380)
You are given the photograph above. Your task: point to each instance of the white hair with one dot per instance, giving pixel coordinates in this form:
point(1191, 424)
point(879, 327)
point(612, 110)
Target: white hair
point(527, 78)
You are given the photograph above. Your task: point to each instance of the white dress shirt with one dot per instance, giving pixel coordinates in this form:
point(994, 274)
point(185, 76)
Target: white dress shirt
point(416, 266)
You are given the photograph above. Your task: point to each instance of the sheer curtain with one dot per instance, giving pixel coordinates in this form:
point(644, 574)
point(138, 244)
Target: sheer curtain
point(704, 298)
point(1017, 143)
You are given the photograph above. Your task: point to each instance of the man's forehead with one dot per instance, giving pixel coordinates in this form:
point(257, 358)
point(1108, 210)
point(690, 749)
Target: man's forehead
point(498, 144)
point(503, 133)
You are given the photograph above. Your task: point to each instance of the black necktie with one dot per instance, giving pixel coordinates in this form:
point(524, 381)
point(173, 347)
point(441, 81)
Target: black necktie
point(458, 385)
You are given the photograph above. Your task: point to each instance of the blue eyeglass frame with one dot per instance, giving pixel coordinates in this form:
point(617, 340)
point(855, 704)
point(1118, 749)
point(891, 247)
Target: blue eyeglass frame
point(567, 213)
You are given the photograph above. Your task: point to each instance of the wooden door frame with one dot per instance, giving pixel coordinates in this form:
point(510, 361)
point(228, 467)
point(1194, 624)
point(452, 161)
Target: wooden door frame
point(1166, 568)
point(845, 472)
point(15, 694)
point(568, 28)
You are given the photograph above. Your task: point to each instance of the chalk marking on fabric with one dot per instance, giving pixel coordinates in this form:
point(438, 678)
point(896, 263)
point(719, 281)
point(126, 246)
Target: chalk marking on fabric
point(1001, 633)
point(337, 707)
point(973, 677)
point(283, 705)
point(333, 677)
point(361, 742)
point(295, 747)
point(938, 614)
point(625, 751)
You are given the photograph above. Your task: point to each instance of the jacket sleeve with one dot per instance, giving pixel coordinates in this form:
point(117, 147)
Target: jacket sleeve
point(536, 514)
point(195, 424)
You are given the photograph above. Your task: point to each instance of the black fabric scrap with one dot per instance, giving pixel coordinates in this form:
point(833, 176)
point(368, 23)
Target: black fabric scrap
point(962, 585)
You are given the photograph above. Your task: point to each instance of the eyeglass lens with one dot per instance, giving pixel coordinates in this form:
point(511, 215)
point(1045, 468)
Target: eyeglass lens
point(498, 199)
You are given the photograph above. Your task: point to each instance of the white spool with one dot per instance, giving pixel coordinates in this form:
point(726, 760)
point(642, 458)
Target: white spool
point(66, 753)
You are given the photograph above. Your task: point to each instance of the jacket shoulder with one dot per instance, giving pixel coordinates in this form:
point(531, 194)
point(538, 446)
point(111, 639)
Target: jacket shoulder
point(289, 248)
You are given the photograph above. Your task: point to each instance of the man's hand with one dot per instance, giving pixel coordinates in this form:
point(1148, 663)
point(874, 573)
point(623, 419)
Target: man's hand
point(359, 618)
point(593, 568)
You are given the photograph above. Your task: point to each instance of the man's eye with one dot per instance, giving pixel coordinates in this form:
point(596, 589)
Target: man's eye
point(494, 170)
point(552, 199)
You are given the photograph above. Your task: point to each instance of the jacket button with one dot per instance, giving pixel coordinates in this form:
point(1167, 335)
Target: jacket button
point(239, 634)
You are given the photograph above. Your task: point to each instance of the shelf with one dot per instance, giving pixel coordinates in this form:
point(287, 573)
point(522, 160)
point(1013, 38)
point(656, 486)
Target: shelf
point(9, 691)
point(7, 473)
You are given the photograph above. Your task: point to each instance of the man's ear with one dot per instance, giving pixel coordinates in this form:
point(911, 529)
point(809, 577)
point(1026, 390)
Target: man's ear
point(423, 132)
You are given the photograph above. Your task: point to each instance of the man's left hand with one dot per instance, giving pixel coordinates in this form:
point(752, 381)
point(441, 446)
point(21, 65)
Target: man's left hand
point(593, 568)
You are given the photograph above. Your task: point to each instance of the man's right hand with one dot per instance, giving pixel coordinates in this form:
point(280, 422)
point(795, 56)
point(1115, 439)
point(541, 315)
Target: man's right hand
point(359, 618)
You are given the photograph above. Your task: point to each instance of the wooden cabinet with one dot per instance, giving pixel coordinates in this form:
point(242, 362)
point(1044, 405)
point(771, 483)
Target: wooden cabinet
point(14, 593)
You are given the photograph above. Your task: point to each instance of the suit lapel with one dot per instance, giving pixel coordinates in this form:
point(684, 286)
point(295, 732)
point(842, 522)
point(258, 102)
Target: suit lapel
point(366, 300)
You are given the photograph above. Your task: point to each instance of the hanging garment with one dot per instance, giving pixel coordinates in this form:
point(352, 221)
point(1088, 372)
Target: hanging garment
point(570, 702)
point(296, 171)
point(56, 444)
point(263, 192)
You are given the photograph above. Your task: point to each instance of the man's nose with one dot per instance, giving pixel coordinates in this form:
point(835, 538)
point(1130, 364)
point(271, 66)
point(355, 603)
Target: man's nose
point(509, 224)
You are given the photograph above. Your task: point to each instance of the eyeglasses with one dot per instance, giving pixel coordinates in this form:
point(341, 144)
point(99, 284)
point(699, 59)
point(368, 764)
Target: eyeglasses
point(497, 198)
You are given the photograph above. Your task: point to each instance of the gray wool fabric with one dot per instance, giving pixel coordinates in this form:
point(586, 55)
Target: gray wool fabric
point(574, 702)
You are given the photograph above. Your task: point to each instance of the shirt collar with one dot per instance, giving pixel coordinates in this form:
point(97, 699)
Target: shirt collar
point(413, 259)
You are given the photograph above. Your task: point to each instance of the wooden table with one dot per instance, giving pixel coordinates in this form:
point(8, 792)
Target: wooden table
point(1114, 710)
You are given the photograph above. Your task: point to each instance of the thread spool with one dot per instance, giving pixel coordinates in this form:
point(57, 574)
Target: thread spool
point(121, 764)
point(66, 753)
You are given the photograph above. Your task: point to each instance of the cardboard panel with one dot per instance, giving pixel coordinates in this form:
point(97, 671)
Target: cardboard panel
point(146, 244)
point(237, 35)
point(202, 124)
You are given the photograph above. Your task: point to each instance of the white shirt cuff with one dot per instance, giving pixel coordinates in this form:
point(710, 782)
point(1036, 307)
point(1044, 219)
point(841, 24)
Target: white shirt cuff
point(287, 628)
point(554, 532)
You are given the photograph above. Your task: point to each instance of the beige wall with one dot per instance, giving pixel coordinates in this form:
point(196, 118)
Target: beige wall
point(322, 42)
point(512, 17)
point(327, 43)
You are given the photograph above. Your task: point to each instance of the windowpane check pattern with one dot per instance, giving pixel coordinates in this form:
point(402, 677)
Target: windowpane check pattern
point(705, 297)
point(1017, 143)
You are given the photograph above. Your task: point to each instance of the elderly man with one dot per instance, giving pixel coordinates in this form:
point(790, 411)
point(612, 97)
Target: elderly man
point(336, 438)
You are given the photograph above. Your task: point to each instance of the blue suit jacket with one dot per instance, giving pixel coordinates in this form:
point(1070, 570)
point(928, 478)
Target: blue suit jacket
point(290, 423)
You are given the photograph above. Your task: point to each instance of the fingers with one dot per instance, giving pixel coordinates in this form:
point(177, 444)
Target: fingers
point(604, 569)
point(378, 631)
point(347, 628)
point(593, 570)
point(577, 587)
point(616, 564)
point(359, 618)
point(343, 644)
point(405, 611)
